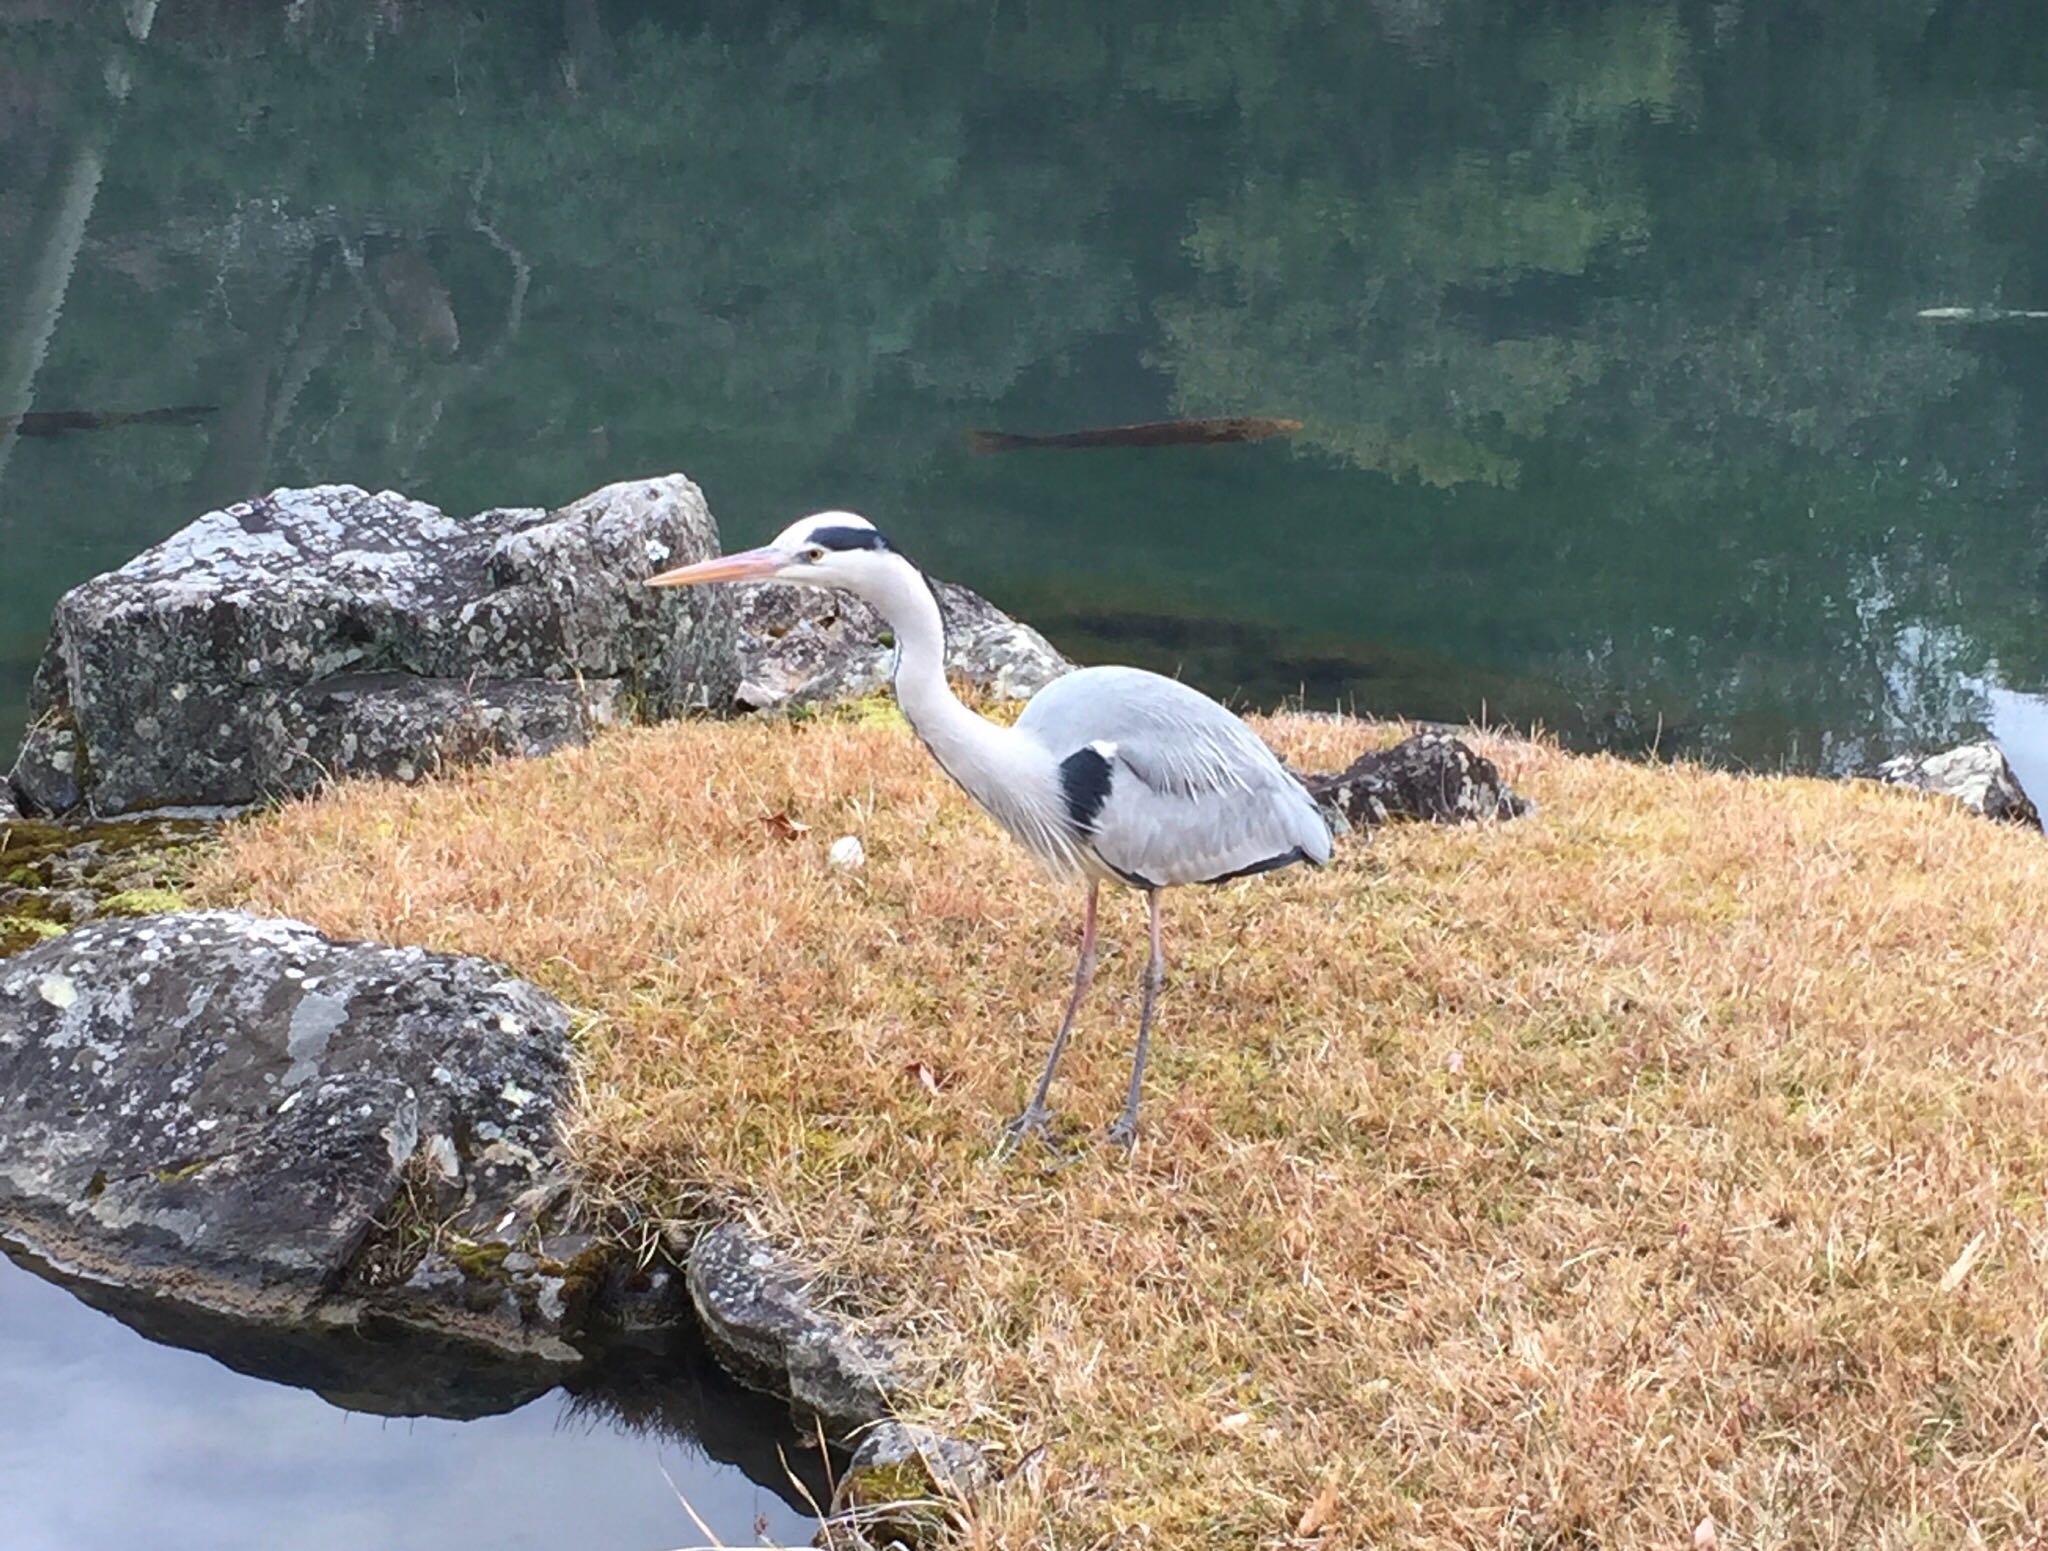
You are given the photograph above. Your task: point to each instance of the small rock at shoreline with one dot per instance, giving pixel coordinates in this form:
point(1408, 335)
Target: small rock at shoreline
point(762, 1322)
point(904, 1485)
point(1432, 777)
point(1977, 775)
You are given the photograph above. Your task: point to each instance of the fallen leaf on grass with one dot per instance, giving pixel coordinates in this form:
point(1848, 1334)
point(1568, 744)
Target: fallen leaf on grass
point(783, 827)
point(1318, 1513)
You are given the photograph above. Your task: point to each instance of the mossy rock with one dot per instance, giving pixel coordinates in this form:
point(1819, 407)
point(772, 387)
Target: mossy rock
point(142, 902)
point(58, 875)
point(906, 1484)
point(483, 1262)
point(19, 933)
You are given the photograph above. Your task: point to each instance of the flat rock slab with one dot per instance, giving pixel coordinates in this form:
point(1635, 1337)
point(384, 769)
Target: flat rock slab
point(1433, 777)
point(1977, 775)
point(267, 646)
point(234, 1113)
point(806, 646)
point(400, 727)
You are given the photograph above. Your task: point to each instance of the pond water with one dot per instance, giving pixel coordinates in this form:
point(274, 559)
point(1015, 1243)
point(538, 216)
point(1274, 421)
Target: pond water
point(109, 1440)
point(1660, 365)
point(1605, 321)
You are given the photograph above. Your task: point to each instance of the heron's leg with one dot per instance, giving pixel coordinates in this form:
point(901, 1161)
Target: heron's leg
point(1125, 1132)
point(1033, 1121)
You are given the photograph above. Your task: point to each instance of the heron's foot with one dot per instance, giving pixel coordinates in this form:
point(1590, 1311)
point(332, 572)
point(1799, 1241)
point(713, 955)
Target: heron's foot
point(1123, 1134)
point(1036, 1121)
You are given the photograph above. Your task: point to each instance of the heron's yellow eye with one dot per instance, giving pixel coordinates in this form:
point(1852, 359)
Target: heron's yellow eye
point(815, 553)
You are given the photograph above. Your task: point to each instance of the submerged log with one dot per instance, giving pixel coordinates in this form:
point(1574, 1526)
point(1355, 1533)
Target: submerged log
point(1149, 433)
point(58, 422)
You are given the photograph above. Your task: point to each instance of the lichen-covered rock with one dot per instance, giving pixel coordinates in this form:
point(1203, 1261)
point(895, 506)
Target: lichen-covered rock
point(807, 646)
point(1431, 776)
point(246, 1117)
point(762, 1322)
point(266, 646)
point(904, 1484)
point(49, 771)
point(1976, 775)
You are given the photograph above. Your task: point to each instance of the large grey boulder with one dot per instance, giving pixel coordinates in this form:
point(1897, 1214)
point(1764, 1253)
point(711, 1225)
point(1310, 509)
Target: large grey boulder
point(806, 646)
point(1434, 777)
point(245, 1117)
point(1974, 774)
point(330, 631)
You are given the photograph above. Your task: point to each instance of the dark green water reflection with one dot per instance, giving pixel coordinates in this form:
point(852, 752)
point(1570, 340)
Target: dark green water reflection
point(1602, 318)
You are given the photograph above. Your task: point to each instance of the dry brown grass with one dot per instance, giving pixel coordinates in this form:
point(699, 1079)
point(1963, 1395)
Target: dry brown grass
point(1676, 1155)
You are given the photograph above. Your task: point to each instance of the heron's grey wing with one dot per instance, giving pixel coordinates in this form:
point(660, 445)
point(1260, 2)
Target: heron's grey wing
point(1169, 786)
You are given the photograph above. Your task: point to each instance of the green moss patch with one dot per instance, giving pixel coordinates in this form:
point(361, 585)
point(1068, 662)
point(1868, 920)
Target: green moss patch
point(55, 876)
point(142, 902)
point(19, 932)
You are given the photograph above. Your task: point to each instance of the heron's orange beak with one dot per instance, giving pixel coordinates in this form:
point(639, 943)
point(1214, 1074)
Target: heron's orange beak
point(748, 565)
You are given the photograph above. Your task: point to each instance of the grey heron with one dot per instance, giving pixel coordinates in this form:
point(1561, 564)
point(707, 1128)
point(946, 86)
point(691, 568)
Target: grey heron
point(1111, 775)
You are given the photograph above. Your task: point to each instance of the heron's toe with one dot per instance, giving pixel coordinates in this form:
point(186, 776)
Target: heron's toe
point(1122, 1135)
point(1034, 1122)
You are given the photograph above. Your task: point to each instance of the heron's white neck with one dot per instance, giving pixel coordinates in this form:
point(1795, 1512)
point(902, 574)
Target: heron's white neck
point(1011, 775)
point(968, 745)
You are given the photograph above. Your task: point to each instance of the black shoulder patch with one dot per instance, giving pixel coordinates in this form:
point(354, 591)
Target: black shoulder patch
point(849, 538)
point(1084, 783)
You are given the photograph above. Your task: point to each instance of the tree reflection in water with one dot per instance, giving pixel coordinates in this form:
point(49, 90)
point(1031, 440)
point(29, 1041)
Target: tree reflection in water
point(1603, 324)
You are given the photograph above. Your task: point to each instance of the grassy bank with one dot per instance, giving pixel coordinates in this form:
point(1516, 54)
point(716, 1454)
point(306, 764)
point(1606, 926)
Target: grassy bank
point(1678, 1154)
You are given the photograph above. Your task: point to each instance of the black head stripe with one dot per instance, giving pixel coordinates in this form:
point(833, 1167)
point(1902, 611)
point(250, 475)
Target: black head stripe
point(848, 538)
